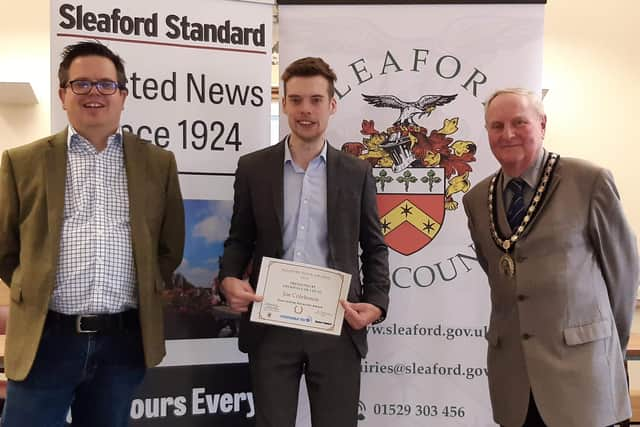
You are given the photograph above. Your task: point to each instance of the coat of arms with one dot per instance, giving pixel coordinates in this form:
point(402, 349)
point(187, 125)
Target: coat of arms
point(417, 171)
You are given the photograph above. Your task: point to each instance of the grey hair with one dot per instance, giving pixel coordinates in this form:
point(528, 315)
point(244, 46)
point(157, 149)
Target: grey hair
point(533, 98)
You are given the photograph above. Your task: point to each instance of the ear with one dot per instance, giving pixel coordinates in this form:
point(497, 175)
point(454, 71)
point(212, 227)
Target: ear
point(62, 92)
point(124, 94)
point(333, 106)
point(283, 95)
point(543, 124)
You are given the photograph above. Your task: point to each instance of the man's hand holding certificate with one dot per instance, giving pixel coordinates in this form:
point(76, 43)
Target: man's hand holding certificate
point(300, 296)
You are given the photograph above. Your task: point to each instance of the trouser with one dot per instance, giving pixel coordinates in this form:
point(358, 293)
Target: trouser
point(93, 374)
point(330, 364)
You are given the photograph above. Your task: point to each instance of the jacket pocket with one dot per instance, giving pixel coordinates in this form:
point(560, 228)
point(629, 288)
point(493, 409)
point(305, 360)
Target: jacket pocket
point(587, 333)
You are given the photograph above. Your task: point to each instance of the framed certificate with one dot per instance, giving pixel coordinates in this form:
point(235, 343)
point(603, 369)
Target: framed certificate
point(300, 296)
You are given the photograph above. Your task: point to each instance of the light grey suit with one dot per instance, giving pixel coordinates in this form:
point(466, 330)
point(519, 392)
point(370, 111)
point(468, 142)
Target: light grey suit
point(560, 327)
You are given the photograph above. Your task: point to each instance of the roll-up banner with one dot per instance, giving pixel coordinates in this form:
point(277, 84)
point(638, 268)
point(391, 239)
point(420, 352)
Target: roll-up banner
point(412, 79)
point(199, 85)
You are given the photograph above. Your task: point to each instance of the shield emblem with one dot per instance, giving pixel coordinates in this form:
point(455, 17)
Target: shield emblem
point(411, 206)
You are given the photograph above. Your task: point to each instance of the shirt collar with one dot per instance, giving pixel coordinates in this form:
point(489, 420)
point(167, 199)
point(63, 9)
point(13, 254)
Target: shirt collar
point(531, 175)
point(73, 138)
point(289, 159)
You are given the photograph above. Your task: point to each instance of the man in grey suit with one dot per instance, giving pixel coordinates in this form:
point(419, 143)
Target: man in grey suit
point(305, 201)
point(562, 264)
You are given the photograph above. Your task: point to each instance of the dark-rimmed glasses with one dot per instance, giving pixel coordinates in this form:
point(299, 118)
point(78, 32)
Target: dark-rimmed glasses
point(105, 87)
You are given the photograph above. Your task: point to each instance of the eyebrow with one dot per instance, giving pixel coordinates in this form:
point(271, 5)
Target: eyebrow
point(101, 79)
point(314, 96)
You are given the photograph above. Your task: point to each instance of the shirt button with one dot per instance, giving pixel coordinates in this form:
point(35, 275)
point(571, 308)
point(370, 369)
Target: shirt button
point(526, 336)
point(302, 227)
point(305, 201)
point(298, 253)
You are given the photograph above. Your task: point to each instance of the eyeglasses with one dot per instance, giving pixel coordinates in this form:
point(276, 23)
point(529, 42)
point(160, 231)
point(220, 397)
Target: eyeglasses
point(105, 87)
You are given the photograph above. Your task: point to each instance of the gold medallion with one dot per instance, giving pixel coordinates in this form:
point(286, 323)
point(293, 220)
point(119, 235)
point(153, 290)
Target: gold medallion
point(507, 243)
point(507, 266)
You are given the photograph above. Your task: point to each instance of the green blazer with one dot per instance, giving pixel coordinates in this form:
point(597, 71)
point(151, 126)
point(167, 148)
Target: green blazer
point(32, 185)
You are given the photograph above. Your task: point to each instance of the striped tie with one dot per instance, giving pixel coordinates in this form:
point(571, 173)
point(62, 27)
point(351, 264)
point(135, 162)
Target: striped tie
point(516, 211)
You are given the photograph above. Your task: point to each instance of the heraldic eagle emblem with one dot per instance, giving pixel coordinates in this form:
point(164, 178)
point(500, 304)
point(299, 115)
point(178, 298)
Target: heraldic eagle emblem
point(418, 171)
point(425, 105)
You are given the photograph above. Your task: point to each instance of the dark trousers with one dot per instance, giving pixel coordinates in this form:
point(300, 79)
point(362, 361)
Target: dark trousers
point(533, 416)
point(330, 365)
point(94, 375)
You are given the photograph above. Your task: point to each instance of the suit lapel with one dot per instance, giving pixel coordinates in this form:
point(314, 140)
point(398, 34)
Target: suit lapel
point(334, 178)
point(275, 171)
point(56, 172)
point(136, 167)
point(551, 188)
point(503, 224)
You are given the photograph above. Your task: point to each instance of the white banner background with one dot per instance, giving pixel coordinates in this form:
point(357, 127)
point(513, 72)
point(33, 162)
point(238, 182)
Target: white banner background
point(236, 68)
point(426, 365)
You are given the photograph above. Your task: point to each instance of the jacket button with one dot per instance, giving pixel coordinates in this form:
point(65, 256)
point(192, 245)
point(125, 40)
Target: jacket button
point(521, 297)
point(526, 336)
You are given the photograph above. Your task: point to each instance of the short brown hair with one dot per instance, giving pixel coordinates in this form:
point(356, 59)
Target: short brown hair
point(310, 67)
point(89, 48)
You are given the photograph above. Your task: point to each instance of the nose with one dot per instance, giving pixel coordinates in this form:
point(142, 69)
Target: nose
point(93, 90)
point(305, 107)
point(509, 131)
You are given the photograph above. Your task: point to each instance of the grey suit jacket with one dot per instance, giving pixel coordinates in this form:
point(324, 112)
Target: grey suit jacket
point(32, 182)
point(256, 229)
point(560, 327)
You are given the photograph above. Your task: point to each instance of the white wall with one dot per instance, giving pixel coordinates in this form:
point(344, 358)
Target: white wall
point(24, 56)
point(592, 71)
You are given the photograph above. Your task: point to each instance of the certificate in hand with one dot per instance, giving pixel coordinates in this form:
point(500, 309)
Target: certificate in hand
point(300, 296)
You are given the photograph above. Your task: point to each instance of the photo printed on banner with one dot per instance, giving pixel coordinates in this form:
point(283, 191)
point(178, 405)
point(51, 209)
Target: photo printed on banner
point(194, 307)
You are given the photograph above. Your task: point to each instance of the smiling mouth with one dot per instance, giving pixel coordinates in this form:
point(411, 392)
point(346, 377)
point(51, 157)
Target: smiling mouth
point(305, 123)
point(93, 105)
